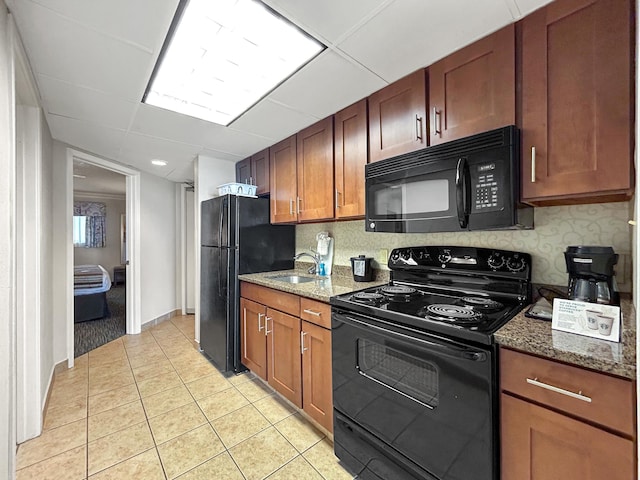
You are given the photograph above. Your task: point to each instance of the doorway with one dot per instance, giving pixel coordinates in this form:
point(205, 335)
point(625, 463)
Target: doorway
point(132, 245)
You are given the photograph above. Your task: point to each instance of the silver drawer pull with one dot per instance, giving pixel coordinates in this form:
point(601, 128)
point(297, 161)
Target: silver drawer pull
point(562, 391)
point(311, 312)
point(533, 164)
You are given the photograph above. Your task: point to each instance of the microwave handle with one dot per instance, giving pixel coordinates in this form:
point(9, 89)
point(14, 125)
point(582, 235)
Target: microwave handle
point(463, 192)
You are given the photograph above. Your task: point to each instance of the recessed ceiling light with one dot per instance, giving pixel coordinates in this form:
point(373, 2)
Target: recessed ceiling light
point(77, 175)
point(160, 163)
point(221, 57)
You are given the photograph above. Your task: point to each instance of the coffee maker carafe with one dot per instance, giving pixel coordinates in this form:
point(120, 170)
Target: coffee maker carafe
point(591, 274)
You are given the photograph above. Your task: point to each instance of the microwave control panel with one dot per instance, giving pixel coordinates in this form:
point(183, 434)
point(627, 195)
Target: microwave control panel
point(486, 187)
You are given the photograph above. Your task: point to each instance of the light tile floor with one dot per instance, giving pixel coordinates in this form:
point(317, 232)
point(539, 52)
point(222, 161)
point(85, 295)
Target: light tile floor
point(150, 406)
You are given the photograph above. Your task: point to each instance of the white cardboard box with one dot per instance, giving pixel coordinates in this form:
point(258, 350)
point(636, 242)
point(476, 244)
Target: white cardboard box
point(590, 319)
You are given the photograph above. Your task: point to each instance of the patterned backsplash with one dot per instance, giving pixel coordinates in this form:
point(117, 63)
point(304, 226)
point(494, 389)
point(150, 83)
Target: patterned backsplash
point(555, 229)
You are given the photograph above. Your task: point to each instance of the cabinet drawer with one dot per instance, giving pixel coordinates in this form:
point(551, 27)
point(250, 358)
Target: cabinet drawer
point(603, 399)
point(285, 302)
point(315, 312)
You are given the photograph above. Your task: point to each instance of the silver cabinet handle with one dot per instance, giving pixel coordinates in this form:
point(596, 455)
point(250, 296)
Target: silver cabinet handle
point(244, 334)
point(291, 206)
point(562, 391)
point(266, 330)
point(250, 180)
point(337, 202)
point(302, 347)
point(418, 127)
point(533, 164)
point(260, 326)
point(437, 127)
point(311, 312)
point(298, 202)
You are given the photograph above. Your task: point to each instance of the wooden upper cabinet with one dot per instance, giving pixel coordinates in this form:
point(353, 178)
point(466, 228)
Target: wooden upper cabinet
point(260, 171)
point(350, 145)
point(315, 198)
point(577, 102)
point(282, 162)
point(243, 171)
point(398, 118)
point(473, 90)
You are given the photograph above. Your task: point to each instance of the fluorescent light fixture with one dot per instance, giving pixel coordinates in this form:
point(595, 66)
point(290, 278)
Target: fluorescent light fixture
point(222, 56)
point(159, 163)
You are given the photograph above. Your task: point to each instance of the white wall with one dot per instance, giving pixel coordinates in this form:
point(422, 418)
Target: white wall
point(191, 251)
point(47, 359)
point(7, 325)
point(109, 255)
point(157, 247)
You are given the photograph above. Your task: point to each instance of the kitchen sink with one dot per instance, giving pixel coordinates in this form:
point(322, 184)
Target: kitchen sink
point(292, 278)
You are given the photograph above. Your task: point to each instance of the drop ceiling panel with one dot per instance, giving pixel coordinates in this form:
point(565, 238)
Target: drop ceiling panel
point(182, 173)
point(272, 120)
point(337, 82)
point(411, 34)
point(124, 19)
point(331, 19)
point(87, 136)
point(65, 50)
point(65, 99)
point(528, 6)
point(235, 142)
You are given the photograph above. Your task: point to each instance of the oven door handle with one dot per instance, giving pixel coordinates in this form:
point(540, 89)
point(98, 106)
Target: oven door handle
point(444, 346)
point(463, 192)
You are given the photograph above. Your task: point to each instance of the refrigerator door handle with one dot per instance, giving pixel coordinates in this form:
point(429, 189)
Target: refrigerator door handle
point(220, 224)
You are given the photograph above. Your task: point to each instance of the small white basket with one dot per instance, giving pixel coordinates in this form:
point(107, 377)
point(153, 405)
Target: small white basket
point(242, 189)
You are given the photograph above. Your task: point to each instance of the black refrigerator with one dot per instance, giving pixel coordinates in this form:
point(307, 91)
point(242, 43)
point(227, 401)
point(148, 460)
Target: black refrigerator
point(237, 238)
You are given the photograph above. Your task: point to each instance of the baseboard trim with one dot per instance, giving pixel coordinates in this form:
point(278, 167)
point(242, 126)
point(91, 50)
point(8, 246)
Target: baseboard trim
point(158, 320)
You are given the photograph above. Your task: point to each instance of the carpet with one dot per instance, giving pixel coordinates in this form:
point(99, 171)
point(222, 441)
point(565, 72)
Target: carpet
point(94, 333)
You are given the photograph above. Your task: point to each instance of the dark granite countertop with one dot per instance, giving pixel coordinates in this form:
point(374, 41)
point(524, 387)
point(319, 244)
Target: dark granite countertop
point(321, 288)
point(536, 336)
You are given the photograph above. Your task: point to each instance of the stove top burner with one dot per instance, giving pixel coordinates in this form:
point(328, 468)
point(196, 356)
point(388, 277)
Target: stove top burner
point(482, 303)
point(398, 293)
point(368, 298)
point(453, 314)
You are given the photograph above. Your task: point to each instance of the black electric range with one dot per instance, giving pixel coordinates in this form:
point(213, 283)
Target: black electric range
point(461, 292)
point(414, 364)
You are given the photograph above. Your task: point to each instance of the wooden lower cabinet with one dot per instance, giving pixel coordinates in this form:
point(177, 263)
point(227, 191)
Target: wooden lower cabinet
point(540, 444)
point(253, 344)
point(317, 399)
point(292, 354)
point(561, 421)
point(283, 351)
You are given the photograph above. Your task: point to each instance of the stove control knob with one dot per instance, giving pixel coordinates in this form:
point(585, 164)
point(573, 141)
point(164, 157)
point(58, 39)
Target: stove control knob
point(495, 261)
point(445, 257)
point(395, 256)
point(516, 264)
point(406, 254)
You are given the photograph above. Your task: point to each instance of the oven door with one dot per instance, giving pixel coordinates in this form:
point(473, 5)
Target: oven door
point(422, 399)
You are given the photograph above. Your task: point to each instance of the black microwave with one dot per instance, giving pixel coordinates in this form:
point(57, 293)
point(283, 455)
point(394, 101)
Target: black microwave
point(472, 183)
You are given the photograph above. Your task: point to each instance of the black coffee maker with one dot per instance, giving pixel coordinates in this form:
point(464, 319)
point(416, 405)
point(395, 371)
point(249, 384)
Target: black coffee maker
point(591, 274)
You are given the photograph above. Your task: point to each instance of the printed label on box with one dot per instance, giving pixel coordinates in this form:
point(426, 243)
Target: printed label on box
point(590, 319)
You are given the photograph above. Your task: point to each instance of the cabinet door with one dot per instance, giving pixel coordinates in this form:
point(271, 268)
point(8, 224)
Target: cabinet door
point(397, 118)
point(283, 351)
point(539, 444)
point(282, 164)
point(474, 89)
point(350, 139)
point(576, 101)
point(260, 171)
point(253, 341)
point(315, 171)
point(316, 374)
point(243, 171)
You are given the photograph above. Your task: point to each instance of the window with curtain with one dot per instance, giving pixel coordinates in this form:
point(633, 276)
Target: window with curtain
point(89, 224)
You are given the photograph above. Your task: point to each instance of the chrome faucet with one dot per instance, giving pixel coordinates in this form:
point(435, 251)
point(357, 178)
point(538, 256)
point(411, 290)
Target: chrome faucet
point(314, 256)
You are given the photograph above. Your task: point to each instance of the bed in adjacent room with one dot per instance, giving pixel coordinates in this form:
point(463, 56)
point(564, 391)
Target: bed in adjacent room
point(90, 284)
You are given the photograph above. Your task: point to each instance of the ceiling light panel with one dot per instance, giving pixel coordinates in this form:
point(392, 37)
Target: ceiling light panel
point(226, 55)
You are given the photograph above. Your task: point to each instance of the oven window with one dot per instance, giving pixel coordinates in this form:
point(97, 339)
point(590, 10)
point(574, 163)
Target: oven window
point(413, 377)
point(417, 197)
